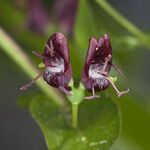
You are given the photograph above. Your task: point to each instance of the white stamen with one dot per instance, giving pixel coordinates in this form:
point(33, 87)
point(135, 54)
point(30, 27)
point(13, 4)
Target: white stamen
point(57, 67)
point(94, 71)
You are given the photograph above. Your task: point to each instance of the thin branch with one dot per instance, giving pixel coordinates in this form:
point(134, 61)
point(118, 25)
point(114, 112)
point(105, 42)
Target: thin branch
point(16, 53)
point(75, 108)
point(143, 38)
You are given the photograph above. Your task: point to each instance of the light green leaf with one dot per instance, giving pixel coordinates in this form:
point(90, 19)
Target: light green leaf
point(98, 128)
point(113, 79)
point(41, 65)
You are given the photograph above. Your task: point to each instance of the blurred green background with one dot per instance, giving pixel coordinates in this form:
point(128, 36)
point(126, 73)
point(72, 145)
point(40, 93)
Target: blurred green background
point(31, 22)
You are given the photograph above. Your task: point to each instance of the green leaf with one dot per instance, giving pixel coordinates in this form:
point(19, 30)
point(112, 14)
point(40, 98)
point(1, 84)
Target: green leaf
point(136, 121)
point(24, 101)
point(41, 65)
point(98, 128)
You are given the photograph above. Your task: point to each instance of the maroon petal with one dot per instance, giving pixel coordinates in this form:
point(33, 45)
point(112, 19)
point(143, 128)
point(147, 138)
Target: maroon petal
point(57, 46)
point(105, 45)
point(92, 47)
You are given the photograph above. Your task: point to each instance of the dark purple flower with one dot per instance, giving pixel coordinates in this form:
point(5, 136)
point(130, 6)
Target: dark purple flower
point(65, 12)
point(95, 75)
point(38, 18)
point(58, 71)
point(62, 13)
point(56, 58)
point(98, 51)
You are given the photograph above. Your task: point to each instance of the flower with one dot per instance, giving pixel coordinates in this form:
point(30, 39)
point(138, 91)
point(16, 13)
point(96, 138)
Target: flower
point(97, 64)
point(65, 11)
point(60, 13)
point(38, 18)
point(58, 71)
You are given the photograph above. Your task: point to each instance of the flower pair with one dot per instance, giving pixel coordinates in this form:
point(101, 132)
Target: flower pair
point(58, 70)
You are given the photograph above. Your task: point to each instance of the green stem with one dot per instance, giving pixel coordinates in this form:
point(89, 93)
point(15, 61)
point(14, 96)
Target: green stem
point(74, 115)
point(16, 53)
point(124, 22)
